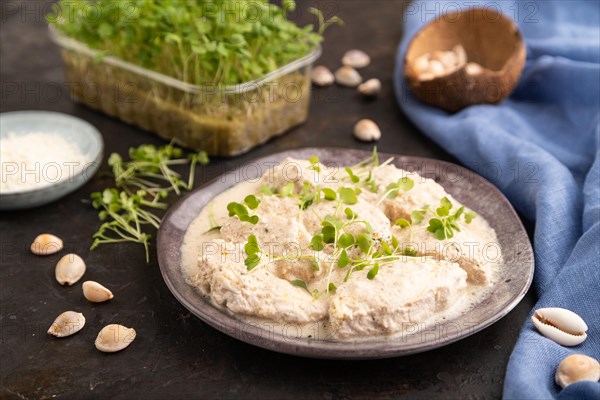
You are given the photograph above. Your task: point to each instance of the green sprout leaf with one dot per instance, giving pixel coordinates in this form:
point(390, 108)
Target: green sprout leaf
point(252, 261)
point(402, 223)
point(417, 216)
point(252, 201)
point(267, 191)
point(363, 242)
point(301, 284)
point(316, 243)
point(469, 216)
point(373, 271)
point(344, 259)
point(328, 234)
point(353, 177)
point(314, 161)
point(331, 288)
point(345, 240)
point(409, 251)
point(329, 194)
point(348, 195)
point(288, 189)
point(350, 214)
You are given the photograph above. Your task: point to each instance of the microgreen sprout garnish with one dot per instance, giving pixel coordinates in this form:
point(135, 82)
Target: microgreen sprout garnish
point(142, 185)
point(444, 223)
point(348, 195)
point(301, 284)
point(199, 42)
point(314, 163)
point(253, 253)
point(353, 177)
point(391, 191)
point(242, 212)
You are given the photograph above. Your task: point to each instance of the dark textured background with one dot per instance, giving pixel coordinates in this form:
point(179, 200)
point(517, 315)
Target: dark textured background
point(176, 355)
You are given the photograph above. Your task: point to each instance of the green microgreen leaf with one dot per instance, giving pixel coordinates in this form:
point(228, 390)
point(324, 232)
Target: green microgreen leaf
point(238, 209)
point(350, 214)
point(373, 271)
point(331, 288)
point(406, 183)
point(316, 243)
point(287, 189)
point(314, 163)
point(417, 216)
point(386, 248)
point(402, 223)
point(301, 284)
point(252, 261)
point(409, 251)
point(328, 234)
point(329, 194)
point(353, 177)
point(395, 242)
point(264, 189)
point(345, 240)
point(363, 242)
point(344, 259)
point(252, 201)
point(251, 247)
point(469, 216)
point(348, 195)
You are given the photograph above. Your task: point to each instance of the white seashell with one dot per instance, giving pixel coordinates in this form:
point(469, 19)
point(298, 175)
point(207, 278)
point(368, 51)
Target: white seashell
point(473, 68)
point(370, 88)
point(421, 63)
point(460, 55)
point(367, 131)
point(114, 337)
point(348, 76)
point(437, 68)
point(447, 58)
point(67, 323)
point(561, 325)
point(46, 244)
point(577, 367)
point(69, 269)
point(95, 292)
point(426, 76)
point(322, 76)
point(356, 59)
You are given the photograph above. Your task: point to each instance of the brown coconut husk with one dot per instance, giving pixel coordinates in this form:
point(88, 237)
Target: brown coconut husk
point(489, 39)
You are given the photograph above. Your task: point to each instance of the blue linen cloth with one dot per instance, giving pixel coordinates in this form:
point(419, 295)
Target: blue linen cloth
point(543, 145)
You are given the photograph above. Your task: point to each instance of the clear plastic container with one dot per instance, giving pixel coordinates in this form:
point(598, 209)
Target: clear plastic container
point(224, 121)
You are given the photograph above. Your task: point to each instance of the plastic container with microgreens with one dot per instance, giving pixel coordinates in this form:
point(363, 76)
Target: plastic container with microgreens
point(217, 76)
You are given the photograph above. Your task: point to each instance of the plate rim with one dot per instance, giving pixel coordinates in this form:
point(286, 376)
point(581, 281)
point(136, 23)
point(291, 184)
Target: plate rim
point(314, 348)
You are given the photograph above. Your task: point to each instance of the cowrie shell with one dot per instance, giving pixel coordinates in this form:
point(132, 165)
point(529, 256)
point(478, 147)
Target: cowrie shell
point(95, 292)
point(69, 269)
point(46, 244)
point(348, 76)
point(356, 59)
point(66, 324)
point(322, 76)
point(114, 337)
point(561, 325)
point(577, 367)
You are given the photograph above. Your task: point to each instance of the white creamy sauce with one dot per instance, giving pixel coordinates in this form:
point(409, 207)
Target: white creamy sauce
point(406, 297)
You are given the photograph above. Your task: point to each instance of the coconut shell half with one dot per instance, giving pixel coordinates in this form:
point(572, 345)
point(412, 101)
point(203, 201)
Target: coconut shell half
point(490, 39)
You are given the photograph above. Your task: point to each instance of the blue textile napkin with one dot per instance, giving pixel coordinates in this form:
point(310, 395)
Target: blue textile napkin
point(543, 144)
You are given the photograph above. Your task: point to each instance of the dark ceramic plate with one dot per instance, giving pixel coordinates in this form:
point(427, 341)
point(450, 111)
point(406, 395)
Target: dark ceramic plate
point(466, 186)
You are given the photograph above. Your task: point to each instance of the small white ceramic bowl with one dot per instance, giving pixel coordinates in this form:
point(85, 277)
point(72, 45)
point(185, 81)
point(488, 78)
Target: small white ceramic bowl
point(74, 130)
